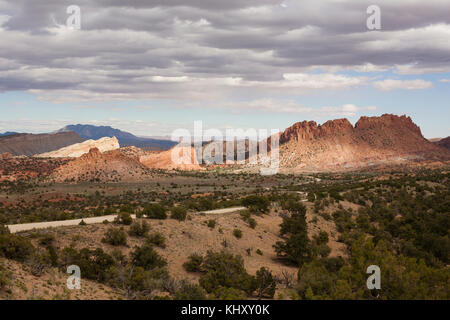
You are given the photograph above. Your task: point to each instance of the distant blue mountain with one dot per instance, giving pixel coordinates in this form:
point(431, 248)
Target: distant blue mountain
point(8, 133)
point(126, 139)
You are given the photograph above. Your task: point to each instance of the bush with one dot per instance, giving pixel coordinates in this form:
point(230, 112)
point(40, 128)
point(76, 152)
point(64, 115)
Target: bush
point(194, 263)
point(224, 293)
point(147, 258)
point(223, 269)
point(47, 240)
point(252, 223)
point(179, 213)
point(155, 211)
point(322, 238)
point(265, 284)
point(190, 291)
point(139, 229)
point(5, 276)
point(157, 239)
point(247, 217)
point(126, 208)
point(15, 247)
point(237, 233)
point(136, 281)
point(123, 218)
point(95, 264)
point(211, 224)
point(115, 237)
point(259, 252)
point(259, 204)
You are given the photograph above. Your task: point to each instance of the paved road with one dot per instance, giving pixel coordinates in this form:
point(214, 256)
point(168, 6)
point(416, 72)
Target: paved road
point(13, 228)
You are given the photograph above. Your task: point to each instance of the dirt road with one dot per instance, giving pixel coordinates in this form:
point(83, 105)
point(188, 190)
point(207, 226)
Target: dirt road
point(13, 228)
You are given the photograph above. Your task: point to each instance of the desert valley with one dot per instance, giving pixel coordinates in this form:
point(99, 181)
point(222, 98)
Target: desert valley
point(140, 226)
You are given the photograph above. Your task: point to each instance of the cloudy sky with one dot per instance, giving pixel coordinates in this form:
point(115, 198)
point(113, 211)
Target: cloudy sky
point(151, 66)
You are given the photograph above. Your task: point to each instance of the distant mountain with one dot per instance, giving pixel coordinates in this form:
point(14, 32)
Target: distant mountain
point(30, 144)
point(125, 138)
point(443, 142)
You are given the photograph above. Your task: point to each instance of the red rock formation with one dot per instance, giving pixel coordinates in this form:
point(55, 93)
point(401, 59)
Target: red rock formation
point(444, 143)
point(337, 144)
point(111, 166)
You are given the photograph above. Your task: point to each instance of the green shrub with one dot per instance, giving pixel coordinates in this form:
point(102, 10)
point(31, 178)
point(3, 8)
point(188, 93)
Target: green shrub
point(194, 263)
point(259, 252)
point(47, 240)
point(222, 269)
point(252, 223)
point(123, 218)
point(139, 229)
point(15, 247)
point(190, 291)
point(115, 237)
point(147, 258)
point(179, 213)
point(5, 276)
point(259, 204)
point(247, 217)
point(224, 293)
point(322, 238)
point(211, 224)
point(237, 233)
point(157, 239)
point(265, 284)
point(155, 211)
point(94, 264)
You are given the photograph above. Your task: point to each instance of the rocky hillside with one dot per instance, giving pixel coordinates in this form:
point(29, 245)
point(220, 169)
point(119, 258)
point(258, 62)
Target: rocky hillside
point(30, 144)
point(94, 166)
point(163, 160)
point(443, 143)
point(77, 150)
point(337, 144)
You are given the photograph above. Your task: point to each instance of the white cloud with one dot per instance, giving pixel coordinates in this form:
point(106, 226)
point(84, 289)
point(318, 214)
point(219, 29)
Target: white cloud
point(290, 106)
point(391, 84)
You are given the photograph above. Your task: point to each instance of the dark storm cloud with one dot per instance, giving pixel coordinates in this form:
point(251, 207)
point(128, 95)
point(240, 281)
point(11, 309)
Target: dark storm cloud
point(208, 49)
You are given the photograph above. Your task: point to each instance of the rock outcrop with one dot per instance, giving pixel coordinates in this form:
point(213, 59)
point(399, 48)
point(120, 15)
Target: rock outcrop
point(95, 166)
point(180, 157)
point(337, 144)
point(30, 144)
point(445, 143)
point(77, 150)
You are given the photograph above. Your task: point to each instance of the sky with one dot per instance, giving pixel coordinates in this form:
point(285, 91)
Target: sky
point(152, 66)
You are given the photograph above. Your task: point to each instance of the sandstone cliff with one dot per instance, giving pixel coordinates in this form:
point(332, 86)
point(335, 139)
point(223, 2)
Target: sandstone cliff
point(337, 144)
point(77, 150)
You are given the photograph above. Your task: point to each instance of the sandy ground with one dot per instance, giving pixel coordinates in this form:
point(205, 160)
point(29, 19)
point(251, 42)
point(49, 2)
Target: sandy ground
point(52, 285)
